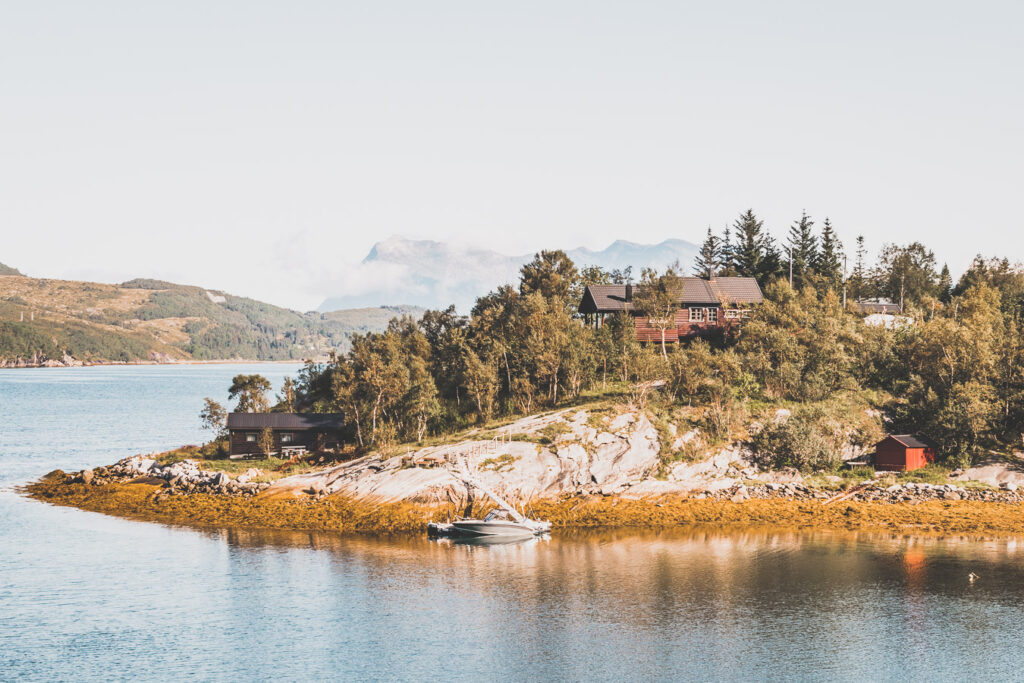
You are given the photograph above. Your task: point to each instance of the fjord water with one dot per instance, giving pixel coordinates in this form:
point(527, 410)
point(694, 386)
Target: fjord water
point(84, 596)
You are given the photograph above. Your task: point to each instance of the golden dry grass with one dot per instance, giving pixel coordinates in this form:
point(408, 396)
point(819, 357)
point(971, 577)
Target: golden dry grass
point(141, 501)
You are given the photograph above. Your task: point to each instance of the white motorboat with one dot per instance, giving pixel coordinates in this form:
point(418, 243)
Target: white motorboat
point(504, 523)
point(500, 523)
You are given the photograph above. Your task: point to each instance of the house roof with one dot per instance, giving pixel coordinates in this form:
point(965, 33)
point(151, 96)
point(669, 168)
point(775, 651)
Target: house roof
point(911, 441)
point(740, 290)
point(692, 290)
point(877, 307)
point(295, 421)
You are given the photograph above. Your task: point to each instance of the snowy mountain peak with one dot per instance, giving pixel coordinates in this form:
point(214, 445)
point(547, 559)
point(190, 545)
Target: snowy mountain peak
point(435, 274)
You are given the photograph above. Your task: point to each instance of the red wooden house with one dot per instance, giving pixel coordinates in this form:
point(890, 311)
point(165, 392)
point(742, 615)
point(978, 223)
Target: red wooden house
point(903, 453)
point(705, 306)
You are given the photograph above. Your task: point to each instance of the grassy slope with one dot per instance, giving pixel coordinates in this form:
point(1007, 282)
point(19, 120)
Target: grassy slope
point(145, 319)
point(7, 270)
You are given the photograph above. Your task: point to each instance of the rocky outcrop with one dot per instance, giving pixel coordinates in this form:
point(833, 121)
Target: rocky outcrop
point(998, 471)
point(40, 360)
point(515, 461)
point(177, 478)
point(569, 453)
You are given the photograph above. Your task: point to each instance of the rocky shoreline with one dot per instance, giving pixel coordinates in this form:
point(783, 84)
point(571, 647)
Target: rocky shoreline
point(178, 478)
point(580, 468)
point(185, 477)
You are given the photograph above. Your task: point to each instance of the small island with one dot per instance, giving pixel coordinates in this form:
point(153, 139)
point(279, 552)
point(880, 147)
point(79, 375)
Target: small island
point(596, 402)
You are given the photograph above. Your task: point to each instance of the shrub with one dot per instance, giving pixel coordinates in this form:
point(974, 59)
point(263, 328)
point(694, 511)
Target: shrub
point(551, 432)
point(809, 440)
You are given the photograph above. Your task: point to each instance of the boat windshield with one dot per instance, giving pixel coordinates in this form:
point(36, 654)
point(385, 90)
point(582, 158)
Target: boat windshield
point(497, 515)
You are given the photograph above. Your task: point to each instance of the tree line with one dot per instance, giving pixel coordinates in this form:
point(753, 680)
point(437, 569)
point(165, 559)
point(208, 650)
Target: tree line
point(956, 374)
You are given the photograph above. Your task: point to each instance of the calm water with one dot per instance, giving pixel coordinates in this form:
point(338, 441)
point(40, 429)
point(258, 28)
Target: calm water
point(85, 597)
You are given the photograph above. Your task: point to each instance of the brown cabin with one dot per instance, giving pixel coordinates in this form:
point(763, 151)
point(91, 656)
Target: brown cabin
point(903, 453)
point(292, 431)
point(705, 306)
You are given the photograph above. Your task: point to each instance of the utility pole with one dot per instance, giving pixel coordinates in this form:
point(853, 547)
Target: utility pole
point(844, 280)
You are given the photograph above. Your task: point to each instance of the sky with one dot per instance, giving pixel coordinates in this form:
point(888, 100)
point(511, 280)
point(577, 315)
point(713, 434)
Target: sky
point(262, 148)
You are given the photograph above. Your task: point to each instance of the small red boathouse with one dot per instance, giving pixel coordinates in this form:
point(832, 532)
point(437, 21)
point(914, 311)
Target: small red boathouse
point(903, 453)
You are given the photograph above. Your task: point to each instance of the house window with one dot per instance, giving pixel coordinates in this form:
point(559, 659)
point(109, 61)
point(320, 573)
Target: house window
point(712, 315)
point(732, 314)
point(696, 315)
point(287, 438)
point(250, 438)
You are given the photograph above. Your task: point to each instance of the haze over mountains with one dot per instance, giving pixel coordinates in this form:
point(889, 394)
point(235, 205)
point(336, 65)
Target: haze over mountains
point(434, 274)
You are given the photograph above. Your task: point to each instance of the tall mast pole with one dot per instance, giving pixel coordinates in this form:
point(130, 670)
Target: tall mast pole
point(791, 267)
point(844, 280)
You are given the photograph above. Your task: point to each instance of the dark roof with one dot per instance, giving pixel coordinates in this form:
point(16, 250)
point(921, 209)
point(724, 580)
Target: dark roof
point(739, 290)
point(876, 307)
point(296, 421)
point(692, 290)
point(911, 441)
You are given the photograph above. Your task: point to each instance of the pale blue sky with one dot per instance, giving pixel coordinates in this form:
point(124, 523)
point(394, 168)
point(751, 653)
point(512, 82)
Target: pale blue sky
point(262, 147)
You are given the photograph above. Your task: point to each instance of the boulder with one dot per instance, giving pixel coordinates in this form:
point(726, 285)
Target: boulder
point(741, 494)
point(87, 476)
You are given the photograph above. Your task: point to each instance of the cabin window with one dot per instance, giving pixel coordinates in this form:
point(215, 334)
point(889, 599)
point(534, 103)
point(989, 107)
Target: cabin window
point(696, 315)
point(250, 438)
point(745, 313)
point(732, 314)
point(287, 438)
point(712, 315)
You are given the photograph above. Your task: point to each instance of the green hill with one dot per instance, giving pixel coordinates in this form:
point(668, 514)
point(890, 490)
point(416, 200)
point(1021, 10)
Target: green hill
point(55, 321)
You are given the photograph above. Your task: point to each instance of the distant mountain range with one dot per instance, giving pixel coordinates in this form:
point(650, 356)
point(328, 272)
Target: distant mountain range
point(433, 274)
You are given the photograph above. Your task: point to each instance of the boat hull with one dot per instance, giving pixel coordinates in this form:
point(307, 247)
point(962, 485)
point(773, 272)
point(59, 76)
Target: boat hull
point(478, 528)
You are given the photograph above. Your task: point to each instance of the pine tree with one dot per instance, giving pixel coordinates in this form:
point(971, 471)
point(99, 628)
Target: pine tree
point(728, 267)
point(945, 286)
point(709, 258)
point(829, 264)
point(772, 265)
point(749, 250)
point(802, 248)
point(858, 281)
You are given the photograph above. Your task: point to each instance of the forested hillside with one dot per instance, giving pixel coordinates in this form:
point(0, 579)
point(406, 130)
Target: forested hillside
point(62, 322)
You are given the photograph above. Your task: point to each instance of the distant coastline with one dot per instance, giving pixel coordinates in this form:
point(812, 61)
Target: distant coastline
point(90, 364)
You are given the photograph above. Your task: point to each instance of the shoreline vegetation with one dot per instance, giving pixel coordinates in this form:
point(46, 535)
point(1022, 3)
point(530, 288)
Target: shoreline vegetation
point(142, 501)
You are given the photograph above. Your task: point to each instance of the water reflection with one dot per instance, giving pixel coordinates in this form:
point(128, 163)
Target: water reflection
point(693, 602)
point(86, 596)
